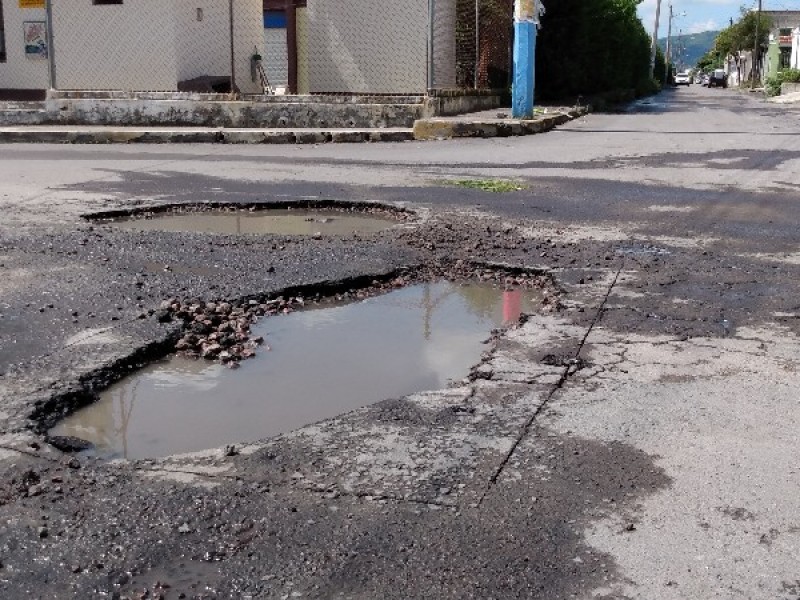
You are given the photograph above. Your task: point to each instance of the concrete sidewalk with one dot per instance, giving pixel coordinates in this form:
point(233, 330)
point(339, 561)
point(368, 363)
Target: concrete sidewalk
point(793, 98)
point(484, 124)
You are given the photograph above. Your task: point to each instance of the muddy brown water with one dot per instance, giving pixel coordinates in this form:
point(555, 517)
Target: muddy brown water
point(318, 363)
point(277, 222)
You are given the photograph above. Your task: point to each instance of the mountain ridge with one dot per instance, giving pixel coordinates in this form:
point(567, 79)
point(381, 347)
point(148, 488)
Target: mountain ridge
point(690, 47)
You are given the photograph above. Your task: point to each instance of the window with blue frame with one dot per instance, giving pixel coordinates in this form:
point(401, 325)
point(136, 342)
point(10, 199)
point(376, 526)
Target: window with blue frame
point(274, 19)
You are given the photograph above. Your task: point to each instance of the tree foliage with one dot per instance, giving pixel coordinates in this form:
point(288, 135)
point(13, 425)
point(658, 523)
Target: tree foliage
point(740, 36)
point(591, 46)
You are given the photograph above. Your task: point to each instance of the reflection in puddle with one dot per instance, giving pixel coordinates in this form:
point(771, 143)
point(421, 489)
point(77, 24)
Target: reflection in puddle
point(512, 306)
point(278, 221)
point(323, 363)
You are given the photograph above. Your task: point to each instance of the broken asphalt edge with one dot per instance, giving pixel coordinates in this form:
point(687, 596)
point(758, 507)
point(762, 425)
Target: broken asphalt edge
point(424, 130)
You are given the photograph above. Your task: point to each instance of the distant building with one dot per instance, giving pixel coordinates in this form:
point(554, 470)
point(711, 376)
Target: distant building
point(781, 36)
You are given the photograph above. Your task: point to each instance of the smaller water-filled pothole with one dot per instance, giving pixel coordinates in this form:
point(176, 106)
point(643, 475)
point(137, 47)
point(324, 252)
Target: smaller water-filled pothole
point(263, 221)
point(321, 362)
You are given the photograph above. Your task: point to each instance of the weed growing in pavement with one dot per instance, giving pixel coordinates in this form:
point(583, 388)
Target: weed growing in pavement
point(497, 186)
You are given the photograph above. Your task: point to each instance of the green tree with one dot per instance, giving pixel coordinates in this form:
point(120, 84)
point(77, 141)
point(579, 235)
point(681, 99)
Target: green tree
point(661, 68)
point(739, 37)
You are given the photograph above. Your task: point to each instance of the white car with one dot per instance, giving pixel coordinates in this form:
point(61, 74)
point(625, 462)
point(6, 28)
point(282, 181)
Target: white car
point(683, 78)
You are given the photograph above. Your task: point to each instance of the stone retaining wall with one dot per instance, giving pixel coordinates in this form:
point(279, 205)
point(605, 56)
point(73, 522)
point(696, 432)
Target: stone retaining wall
point(187, 109)
point(215, 113)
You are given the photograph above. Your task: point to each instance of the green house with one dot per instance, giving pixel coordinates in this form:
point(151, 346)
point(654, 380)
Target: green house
point(779, 52)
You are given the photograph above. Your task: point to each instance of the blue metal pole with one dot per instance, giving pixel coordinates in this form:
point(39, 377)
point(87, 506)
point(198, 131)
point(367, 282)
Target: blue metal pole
point(525, 18)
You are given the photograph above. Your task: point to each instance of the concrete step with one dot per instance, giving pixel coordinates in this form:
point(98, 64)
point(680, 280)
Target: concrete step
point(22, 113)
point(20, 105)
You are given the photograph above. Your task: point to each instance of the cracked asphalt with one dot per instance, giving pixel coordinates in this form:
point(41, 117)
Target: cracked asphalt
point(637, 438)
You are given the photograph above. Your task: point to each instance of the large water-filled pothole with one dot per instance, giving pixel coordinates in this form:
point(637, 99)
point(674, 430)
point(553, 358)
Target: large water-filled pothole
point(321, 363)
point(276, 221)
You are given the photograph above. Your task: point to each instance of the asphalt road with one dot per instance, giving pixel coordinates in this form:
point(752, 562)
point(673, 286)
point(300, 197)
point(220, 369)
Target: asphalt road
point(641, 441)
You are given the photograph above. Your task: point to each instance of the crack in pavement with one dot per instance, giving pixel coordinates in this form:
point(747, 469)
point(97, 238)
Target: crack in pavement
point(568, 371)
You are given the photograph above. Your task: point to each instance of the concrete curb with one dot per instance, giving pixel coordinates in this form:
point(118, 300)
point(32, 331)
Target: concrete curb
point(445, 129)
point(424, 129)
point(123, 135)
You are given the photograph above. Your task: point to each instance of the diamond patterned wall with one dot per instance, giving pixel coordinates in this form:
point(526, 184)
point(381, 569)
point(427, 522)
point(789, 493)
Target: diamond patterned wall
point(444, 44)
point(276, 57)
point(203, 47)
point(363, 46)
point(151, 45)
point(115, 47)
point(344, 46)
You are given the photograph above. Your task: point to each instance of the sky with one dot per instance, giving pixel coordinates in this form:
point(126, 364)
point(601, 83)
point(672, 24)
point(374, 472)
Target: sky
point(694, 16)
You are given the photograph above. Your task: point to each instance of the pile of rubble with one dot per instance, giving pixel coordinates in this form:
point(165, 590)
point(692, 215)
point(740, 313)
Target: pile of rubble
point(220, 331)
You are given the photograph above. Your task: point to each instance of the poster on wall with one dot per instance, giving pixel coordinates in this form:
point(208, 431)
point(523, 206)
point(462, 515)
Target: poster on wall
point(35, 39)
point(31, 3)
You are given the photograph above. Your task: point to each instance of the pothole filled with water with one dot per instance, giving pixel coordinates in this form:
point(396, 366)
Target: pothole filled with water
point(321, 362)
point(304, 222)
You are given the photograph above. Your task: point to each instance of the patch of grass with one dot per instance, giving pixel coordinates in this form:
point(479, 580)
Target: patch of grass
point(496, 186)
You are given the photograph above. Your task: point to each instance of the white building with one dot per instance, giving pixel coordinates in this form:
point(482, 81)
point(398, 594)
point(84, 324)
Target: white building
point(143, 45)
point(333, 46)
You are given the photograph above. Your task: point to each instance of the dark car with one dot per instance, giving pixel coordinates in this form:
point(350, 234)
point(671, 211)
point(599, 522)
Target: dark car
point(718, 78)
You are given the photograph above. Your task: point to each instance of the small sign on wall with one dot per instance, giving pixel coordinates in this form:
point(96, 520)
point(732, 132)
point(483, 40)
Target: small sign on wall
point(31, 4)
point(35, 39)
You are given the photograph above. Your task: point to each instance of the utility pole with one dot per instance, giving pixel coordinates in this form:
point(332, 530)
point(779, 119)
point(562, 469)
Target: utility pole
point(655, 41)
point(51, 51)
point(431, 62)
point(477, 43)
point(526, 20)
point(756, 69)
point(669, 47)
point(233, 55)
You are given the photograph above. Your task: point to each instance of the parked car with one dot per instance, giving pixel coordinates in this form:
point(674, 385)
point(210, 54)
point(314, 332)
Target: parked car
point(683, 78)
point(718, 79)
point(704, 80)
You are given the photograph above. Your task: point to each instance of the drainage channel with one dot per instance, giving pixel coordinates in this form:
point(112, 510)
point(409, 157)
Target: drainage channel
point(321, 362)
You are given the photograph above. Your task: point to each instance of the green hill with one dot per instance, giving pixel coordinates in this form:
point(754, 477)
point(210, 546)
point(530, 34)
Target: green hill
point(689, 48)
